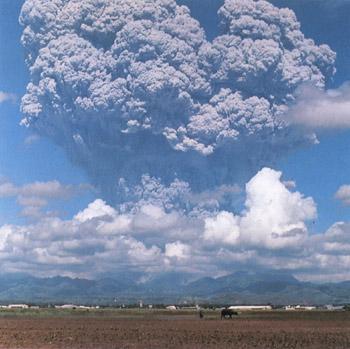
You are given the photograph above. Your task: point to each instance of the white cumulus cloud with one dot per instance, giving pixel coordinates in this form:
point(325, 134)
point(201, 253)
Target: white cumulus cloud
point(33, 197)
point(177, 250)
point(343, 194)
point(319, 109)
point(274, 216)
point(7, 97)
point(153, 236)
point(223, 228)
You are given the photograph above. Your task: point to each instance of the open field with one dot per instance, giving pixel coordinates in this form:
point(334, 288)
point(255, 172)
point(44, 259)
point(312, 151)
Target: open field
point(133, 329)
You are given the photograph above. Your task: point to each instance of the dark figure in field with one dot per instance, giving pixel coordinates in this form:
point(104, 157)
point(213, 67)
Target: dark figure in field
point(201, 315)
point(228, 313)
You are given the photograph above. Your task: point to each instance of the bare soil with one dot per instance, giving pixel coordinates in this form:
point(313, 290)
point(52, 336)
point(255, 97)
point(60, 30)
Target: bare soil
point(161, 330)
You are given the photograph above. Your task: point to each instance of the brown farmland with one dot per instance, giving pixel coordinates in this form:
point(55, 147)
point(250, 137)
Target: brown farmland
point(160, 330)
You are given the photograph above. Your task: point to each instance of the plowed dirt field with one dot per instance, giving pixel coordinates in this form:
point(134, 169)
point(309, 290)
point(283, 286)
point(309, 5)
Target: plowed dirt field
point(317, 330)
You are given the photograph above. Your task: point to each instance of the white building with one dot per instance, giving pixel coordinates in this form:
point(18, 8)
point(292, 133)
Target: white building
point(66, 306)
point(171, 307)
point(289, 307)
point(334, 307)
point(18, 306)
point(299, 307)
point(250, 307)
point(308, 308)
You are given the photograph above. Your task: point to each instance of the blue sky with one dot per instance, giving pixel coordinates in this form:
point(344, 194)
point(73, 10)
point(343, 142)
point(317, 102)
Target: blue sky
point(25, 163)
point(318, 170)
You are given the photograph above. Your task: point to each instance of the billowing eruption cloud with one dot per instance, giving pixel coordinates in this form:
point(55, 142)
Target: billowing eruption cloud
point(134, 87)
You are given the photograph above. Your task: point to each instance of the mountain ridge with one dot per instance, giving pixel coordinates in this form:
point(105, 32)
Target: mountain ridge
point(242, 287)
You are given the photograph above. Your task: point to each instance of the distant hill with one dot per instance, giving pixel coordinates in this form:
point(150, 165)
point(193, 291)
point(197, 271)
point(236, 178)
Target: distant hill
point(244, 287)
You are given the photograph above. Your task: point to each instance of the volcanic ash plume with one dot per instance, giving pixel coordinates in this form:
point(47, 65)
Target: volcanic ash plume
point(134, 87)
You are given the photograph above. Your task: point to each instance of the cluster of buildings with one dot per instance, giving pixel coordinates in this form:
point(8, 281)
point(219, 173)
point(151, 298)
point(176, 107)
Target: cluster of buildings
point(17, 306)
point(65, 306)
point(73, 306)
point(250, 307)
point(242, 308)
point(325, 307)
point(299, 307)
point(287, 307)
point(196, 307)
